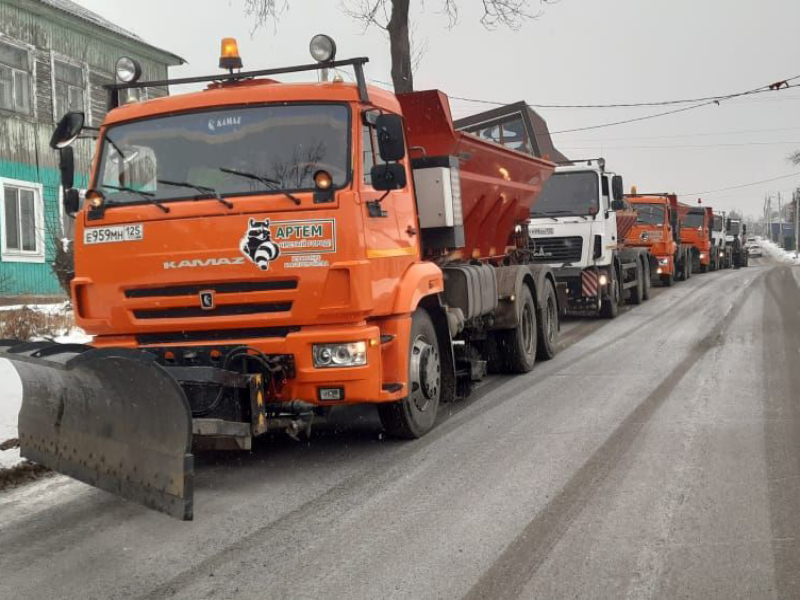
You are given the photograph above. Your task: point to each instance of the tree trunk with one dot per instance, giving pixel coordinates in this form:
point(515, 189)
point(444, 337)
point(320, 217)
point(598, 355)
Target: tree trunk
point(400, 44)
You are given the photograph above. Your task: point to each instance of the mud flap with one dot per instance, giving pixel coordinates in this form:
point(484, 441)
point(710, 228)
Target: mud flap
point(112, 418)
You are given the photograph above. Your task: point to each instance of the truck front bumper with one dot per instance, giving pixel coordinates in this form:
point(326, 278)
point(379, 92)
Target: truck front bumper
point(383, 378)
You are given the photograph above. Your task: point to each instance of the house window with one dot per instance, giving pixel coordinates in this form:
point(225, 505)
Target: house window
point(23, 221)
point(70, 88)
point(15, 79)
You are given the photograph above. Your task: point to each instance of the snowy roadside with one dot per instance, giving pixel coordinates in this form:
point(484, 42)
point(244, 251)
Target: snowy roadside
point(11, 386)
point(772, 250)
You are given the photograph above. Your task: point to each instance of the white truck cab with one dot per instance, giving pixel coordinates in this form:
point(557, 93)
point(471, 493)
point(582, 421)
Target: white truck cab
point(574, 228)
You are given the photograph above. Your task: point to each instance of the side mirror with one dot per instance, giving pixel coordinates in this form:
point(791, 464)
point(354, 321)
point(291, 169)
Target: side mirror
point(72, 201)
point(618, 203)
point(391, 144)
point(617, 188)
point(67, 130)
point(66, 164)
point(388, 177)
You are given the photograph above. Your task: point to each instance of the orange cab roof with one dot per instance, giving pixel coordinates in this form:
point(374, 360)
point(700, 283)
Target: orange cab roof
point(252, 92)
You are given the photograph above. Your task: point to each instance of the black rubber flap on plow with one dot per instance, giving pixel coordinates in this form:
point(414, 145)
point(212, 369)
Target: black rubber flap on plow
point(112, 418)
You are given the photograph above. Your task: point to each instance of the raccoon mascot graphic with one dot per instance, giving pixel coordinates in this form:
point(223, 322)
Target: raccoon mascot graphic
point(257, 244)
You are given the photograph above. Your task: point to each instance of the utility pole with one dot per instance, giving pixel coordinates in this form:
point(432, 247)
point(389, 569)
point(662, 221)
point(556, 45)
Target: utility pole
point(780, 222)
point(797, 222)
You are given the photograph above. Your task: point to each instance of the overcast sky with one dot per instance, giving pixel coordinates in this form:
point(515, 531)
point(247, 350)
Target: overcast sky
point(577, 52)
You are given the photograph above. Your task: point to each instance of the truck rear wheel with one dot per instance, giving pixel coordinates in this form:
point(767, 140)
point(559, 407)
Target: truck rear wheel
point(413, 416)
point(610, 308)
point(647, 281)
point(518, 345)
point(637, 293)
point(548, 324)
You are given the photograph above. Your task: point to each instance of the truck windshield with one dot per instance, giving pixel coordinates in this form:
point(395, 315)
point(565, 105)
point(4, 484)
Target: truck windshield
point(649, 214)
point(693, 220)
point(733, 228)
point(235, 151)
point(568, 194)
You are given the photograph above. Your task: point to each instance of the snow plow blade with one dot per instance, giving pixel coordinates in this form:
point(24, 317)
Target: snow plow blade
point(112, 418)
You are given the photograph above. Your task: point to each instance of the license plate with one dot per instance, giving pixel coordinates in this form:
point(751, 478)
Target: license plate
point(108, 235)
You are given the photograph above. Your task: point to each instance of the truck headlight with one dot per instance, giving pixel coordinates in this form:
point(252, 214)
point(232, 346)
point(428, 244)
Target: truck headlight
point(663, 261)
point(721, 254)
point(603, 279)
point(702, 255)
point(347, 354)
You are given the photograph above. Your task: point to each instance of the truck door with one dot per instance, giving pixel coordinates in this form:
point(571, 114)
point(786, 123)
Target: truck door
point(610, 240)
point(390, 229)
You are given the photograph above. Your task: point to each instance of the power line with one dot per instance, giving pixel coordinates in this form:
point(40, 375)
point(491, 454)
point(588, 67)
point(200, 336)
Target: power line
point(679, 146)
point(736, 187)
point(687, 135)
point(767, 88)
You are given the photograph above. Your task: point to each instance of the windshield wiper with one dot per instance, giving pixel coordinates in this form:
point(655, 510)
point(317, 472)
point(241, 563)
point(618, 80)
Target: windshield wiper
point(149, 196)
point(202, 189)
point(273, 184)
point(540, 214)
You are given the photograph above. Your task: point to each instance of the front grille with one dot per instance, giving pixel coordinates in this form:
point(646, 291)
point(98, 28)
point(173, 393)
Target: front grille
point(557, 249)
point(224, 310)
point(231, 287)
point(176, 337)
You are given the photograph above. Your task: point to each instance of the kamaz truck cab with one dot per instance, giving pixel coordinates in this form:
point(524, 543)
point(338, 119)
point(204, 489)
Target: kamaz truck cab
point(658, 227)
point(576, 227)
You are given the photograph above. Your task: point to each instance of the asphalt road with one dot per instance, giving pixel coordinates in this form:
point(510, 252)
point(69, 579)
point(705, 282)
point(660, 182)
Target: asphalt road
point(658, 455)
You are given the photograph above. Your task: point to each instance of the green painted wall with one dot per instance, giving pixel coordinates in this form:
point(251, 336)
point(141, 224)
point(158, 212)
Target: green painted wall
point(24, 139)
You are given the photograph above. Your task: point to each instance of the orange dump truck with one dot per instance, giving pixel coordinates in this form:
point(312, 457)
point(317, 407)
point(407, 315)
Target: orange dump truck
point(251, 255)
point(696, 223)
point(658, 227)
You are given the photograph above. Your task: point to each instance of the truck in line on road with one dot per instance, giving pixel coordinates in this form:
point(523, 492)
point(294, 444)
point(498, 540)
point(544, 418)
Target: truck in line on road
point(736, 241)
point(658, 228)
point(696, 223)
point(251, 255)
point(720, 248)
point(578, 228)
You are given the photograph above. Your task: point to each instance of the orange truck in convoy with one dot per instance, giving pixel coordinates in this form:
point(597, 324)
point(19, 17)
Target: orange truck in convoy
point(249, 256)
point(696, 224)
point(658, 227)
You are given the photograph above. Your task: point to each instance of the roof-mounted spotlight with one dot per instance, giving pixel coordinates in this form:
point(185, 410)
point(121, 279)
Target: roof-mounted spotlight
point(128, 70)
point(322, 48)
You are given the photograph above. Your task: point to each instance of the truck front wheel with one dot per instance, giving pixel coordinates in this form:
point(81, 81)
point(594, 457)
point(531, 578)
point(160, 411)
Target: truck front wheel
point(413, 416)
point(610, 308)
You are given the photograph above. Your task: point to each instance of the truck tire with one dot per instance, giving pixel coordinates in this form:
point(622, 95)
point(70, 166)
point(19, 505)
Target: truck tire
point(548, 324)
point(646, 280)
point(518, 346)
point(637, 293)
point(413, 416)
point(610, 308)
point(667, 279)
point(689, 266)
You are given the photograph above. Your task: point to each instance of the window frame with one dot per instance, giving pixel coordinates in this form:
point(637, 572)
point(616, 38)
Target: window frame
point(31, 73)
point(24, 256)
point(57, 57)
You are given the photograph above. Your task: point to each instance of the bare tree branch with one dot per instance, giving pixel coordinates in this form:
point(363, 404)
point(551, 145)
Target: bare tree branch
point(265, 12)
point(794, 158)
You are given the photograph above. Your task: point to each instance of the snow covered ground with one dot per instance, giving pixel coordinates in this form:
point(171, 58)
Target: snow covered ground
point(774, 251)
point(11, 387)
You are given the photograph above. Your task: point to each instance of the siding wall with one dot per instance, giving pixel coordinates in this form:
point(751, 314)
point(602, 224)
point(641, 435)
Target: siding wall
point(25, 153)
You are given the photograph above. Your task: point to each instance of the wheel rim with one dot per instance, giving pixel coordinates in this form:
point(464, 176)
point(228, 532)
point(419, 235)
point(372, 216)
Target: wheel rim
point(527, 329)
point(552, 315)
point(426, 373)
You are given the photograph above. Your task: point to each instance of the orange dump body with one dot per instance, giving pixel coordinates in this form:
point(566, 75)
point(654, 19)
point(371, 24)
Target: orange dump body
point(697, 237)
point(657, 237)
point(498, 185)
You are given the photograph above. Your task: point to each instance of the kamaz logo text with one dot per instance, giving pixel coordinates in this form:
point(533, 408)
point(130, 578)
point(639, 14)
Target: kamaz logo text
point(204, 262)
